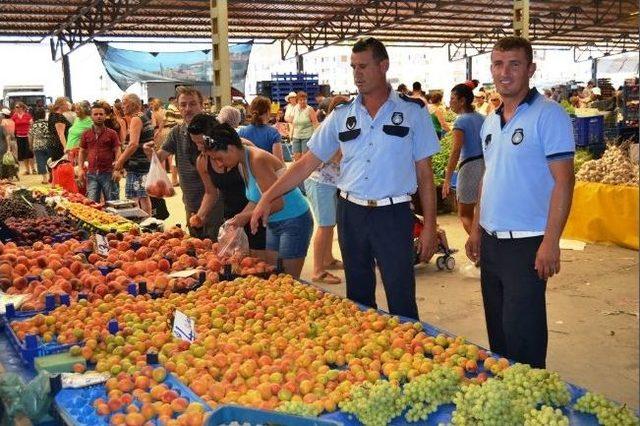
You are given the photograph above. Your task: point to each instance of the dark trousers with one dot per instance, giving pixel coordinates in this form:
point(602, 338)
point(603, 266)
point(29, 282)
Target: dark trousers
point(382, 236)
point(514, 299)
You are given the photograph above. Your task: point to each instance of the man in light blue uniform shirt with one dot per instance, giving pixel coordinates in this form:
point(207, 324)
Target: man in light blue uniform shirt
point(386, 140)
point(526, 193)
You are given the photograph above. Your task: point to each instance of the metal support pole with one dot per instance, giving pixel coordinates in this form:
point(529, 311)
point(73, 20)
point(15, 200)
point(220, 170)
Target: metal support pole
point(594, 70)
point(66, 76)
point(521, 18)
point(300, 64)
point(469, 62)
point(221, 78)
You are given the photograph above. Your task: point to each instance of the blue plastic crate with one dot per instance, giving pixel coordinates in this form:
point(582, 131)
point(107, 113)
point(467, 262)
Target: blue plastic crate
point(588, 130)
point(75, 406)
point(33, 347)
point(235, 413)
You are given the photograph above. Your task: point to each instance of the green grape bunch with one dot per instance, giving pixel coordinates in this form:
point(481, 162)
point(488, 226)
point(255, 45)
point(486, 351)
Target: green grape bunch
point(545, 416)
point(536, 385)
point(375, 404)
point(298, 408)
point(507, 398)
point(607, 412)
point(425, 393)
point(489, 404)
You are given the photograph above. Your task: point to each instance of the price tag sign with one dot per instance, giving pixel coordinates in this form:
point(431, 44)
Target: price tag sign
point(184, 274)
point(184, 327)
point(102, 245)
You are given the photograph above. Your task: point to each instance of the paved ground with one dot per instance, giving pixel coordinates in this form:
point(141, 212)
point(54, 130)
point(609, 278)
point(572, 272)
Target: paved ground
point(592, 310)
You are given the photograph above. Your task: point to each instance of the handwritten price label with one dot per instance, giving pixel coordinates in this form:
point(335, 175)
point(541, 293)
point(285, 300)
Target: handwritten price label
point(184, 327)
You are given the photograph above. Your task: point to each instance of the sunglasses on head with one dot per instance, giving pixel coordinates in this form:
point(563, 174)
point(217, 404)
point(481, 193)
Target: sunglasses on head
point(210, 143)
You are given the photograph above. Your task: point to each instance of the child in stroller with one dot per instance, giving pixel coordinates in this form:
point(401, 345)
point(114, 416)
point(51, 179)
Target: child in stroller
point(446, 259)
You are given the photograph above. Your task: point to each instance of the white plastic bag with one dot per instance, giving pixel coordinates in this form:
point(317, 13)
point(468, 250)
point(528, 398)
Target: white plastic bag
point(158, 184)
point(232, 241)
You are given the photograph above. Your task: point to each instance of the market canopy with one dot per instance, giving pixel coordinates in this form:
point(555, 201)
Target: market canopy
point(468, 27)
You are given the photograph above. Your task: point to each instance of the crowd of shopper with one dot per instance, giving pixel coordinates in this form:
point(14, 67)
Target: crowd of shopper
point(354, 163)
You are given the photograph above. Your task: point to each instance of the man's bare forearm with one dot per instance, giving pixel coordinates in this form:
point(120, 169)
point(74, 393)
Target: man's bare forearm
point(559, 208)
point(298, 172)
point(427, 192)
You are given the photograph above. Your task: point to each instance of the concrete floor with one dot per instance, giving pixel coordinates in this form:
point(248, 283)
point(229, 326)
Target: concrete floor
point(592, 309)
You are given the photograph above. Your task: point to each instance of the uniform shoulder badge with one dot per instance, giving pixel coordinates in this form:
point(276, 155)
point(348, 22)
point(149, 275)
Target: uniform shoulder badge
point(343, 103)
point(413, 100)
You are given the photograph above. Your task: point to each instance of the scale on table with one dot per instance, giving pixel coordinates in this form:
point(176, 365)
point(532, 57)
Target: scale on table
point(126, 209)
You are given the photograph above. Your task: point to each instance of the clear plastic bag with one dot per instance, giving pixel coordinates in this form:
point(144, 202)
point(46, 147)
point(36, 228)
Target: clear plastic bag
point(232, 241)
point(158, 184)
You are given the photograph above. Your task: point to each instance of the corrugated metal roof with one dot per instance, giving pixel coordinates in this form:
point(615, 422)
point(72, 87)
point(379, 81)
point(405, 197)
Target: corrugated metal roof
point(319, 23)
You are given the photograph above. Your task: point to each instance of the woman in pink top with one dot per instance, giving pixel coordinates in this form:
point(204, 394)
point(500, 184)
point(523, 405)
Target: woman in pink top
point(23, 121)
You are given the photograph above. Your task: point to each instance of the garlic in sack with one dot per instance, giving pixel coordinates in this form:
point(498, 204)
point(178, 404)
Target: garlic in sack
point(614, 168)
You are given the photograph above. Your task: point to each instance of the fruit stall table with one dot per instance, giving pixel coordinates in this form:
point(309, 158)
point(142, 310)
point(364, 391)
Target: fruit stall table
point(317, 344)
point(12, 363)
point(603, 213)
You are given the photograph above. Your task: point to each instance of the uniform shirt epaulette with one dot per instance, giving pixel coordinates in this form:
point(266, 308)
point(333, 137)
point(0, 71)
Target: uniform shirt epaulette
point(345, 103)
point(414, 100)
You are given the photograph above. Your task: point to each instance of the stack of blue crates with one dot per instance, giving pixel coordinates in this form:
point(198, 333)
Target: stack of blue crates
point(283, 84)
point(589, 133)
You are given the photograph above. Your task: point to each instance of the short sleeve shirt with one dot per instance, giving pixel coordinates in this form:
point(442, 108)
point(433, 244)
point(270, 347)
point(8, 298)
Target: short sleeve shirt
point(264, 136)
point(39, 133)
point(100, 148)
point(79, 126)
point(517, 183)
point(179, 143)
point(378, 153)
point(22, 124)
point(470, 125)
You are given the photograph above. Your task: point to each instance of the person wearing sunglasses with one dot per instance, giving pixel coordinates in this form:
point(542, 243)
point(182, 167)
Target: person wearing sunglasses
point(494, 102)
point(252, 170)
point(221, 181)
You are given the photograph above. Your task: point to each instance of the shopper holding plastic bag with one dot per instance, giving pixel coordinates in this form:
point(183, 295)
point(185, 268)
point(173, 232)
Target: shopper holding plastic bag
point(290, 225)
point(221, 181)
point(158, 184)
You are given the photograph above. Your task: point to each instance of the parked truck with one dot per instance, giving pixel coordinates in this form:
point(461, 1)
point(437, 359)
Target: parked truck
point(31, 95)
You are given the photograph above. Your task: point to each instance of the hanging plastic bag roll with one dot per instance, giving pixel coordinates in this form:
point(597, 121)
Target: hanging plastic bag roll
point(158, 184)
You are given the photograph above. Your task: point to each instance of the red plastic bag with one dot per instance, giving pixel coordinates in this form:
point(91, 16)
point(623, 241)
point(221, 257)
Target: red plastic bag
point(158, 184)
point(63, 175)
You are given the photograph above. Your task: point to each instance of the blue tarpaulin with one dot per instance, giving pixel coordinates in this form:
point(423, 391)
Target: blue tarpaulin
point(126, 67)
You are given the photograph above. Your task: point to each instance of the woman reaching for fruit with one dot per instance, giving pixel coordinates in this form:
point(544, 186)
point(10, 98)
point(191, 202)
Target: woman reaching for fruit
point(290, 226)
point(227, 182)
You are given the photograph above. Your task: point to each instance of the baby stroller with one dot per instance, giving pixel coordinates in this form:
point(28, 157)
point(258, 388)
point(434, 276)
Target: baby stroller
point(446, 259)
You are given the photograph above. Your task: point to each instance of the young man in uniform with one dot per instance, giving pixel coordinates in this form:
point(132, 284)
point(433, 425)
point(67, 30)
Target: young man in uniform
point(525, 199)
point(386, 141)
point(186, 152)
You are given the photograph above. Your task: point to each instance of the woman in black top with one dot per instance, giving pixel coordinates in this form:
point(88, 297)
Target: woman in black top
point(133, 159)
point(58, 128)
point(228, 182)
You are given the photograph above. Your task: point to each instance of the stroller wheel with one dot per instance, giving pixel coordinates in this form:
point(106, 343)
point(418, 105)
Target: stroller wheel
point(450, 263)
point(440, 263)
point(416, 252)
